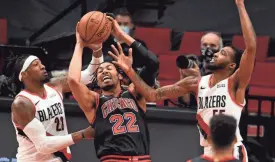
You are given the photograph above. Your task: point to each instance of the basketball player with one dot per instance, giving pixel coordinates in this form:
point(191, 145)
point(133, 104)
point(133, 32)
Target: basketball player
point(117, 114)
point(38, 114)
point(222, 139)
point(221, 92)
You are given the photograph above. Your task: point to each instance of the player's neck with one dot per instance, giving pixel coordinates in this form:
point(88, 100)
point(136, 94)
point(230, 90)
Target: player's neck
point(223, 154)
point(218, 76)
point(37, 89)
point(112, 92)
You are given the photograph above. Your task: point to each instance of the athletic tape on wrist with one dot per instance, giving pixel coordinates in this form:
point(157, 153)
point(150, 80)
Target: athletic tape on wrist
point(97, 60)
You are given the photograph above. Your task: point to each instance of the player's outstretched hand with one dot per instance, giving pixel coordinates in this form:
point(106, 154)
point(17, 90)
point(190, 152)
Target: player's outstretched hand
point(190, 72)
point(239, 2)
point(79, 40)
point(124, 62)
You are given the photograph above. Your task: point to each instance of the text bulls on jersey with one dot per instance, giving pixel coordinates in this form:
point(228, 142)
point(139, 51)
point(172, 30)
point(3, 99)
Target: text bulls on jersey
point(215, 101)
point(117, 103)
point(51, 112)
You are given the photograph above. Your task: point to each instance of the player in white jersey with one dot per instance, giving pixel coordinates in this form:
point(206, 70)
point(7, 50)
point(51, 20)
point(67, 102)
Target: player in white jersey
point(38, 113)
point(221, 92)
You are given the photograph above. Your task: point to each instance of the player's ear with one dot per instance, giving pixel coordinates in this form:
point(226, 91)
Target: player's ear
point(24, 74)
point(232, 65)
point(120, 77)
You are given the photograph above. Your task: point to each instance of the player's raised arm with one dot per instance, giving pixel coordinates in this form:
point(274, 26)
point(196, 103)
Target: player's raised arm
point(180, 88)
point(86, 99)
point(23, 114)
point(243, 74)
point(61, 83)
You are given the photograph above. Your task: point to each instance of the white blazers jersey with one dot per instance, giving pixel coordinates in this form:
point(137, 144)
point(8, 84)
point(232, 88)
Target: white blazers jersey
point(215, 100)
point(50, 111)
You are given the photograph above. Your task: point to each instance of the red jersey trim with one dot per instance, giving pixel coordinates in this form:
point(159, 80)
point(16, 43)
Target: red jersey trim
point(202, 124)
point(96, 107)
point(45, 97)
point(212, 159)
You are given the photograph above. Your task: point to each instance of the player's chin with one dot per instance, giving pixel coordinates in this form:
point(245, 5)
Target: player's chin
point(211, 66)
point(45, 79)
point(107, 87)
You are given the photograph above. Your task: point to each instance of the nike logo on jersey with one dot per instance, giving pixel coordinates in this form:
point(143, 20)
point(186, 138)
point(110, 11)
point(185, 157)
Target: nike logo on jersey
point(203, 87)
point(37, 102)
point(216, 101)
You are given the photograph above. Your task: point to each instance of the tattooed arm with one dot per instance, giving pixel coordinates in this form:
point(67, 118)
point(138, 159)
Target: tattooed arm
point(186, 85)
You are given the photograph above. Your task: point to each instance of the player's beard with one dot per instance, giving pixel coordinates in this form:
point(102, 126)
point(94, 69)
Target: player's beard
point(107, 87)
point(214, 67)
point(45, 80)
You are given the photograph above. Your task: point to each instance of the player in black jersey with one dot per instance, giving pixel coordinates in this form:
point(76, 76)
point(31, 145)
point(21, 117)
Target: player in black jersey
point(222, 139)
point(117, 115)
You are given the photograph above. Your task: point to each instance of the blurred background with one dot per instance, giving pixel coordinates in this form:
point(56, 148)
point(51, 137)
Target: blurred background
point(169, 28)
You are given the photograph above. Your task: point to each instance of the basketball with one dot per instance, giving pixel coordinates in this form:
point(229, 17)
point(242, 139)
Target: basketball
point(94, 27)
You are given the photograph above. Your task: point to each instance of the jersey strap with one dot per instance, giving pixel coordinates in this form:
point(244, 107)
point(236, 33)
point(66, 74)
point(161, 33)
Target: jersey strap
point(203, 127)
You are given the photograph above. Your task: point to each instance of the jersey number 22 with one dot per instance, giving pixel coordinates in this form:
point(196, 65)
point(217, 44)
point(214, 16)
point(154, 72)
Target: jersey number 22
point(120, 127)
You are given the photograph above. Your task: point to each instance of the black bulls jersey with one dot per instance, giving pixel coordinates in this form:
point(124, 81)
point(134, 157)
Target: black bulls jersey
point(120, 127)
point(204, 158)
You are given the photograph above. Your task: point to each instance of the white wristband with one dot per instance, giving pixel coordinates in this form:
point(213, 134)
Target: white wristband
point(97, 60)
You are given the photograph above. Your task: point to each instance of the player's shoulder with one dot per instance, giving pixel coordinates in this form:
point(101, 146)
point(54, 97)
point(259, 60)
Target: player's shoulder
point(21, 103)
point(20, 100)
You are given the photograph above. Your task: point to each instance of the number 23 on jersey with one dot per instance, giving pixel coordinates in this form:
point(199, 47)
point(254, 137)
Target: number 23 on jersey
point(124, 123)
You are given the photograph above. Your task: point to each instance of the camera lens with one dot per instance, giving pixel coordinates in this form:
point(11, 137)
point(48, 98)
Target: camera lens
point(183, 62)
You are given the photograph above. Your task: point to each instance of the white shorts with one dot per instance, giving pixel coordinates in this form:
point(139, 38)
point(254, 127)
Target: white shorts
point(239, 152)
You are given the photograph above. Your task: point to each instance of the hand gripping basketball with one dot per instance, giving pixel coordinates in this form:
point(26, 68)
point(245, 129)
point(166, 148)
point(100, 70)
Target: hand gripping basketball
point(117, 32)
point(94, 27)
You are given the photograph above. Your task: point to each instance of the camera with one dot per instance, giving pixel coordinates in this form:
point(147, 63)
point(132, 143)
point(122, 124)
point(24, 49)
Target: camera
point(208, 53)
point(184, 63)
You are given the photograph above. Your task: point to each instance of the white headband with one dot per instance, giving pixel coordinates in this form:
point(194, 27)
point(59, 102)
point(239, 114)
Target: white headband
point(27, 63)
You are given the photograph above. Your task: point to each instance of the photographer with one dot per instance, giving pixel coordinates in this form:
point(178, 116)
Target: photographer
point(211, 43)
point(145, 62)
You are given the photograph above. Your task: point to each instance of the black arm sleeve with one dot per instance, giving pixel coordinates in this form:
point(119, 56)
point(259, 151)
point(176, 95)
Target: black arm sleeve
point(150, 68)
